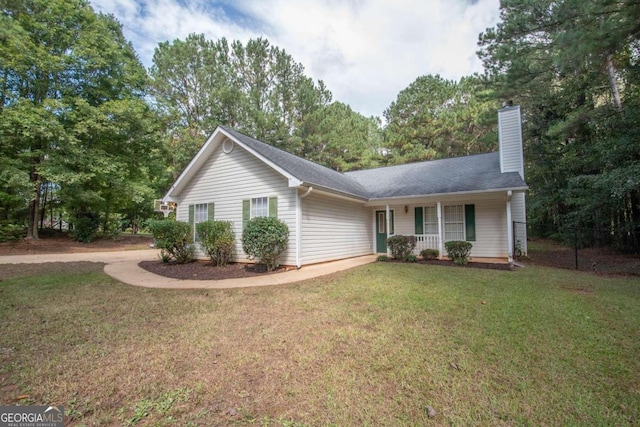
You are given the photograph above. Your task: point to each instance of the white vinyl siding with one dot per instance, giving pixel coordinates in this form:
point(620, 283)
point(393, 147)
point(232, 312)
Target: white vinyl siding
point(490, 218)
point(510, 139)
point(227, 180)
point(334, 228)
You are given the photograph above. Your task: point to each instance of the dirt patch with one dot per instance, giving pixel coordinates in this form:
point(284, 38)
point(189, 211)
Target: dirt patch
point(61, 243)
point(602, 261)
point(204, 270)
point(449, 263)
point(10, 271)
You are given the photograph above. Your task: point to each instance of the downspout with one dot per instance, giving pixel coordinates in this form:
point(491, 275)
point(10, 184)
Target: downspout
point(388, 226)
point(509, 228)
point(299, 198)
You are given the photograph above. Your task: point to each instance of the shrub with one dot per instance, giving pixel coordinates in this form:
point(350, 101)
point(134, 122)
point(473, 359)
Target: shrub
point(264, 239)
point(401, 246)
point(174, 239)
point(85, 228)
point(10, 232)
point(382, 258)
point(112, 228)
point(217, 240)
point(429, 254)
point(411, 258)
point(458, 251)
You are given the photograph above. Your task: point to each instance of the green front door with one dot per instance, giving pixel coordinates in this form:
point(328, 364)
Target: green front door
point(381, 230)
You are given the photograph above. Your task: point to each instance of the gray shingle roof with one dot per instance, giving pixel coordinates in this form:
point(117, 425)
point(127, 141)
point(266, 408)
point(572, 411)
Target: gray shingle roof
point(480, 172)
point(475, 173)
point(305, 170)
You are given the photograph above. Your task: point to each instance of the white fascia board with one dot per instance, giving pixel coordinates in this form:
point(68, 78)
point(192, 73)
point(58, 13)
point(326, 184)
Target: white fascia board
point(409, 199)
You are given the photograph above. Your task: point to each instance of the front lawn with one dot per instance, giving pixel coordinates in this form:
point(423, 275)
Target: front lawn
point(371, 346)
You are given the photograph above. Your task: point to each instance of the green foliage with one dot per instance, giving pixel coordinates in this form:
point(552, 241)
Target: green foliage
point(265, 239)
point(411, 258)
point(174, 239)
point(427, 254)
point(217, 240)
point(112, 226)
point(10, 232)
point(573, 65)
point(382, 258)
point(458, 251)
point(85, 228)
point(254, 87)
point(434, 118)
point(401, 246)
point(339, 138)
point(73, 114)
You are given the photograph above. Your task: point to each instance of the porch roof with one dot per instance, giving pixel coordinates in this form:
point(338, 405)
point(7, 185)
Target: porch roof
point(476, 173)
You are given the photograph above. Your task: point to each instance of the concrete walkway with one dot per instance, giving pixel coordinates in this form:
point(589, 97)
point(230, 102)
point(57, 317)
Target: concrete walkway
point(123, 266)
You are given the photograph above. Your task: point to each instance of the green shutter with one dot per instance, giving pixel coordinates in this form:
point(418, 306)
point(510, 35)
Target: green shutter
point(419, 220)
point(470, 222)
point(191, 214)
point(273, 207)
point(246, 211)
point(210, 211)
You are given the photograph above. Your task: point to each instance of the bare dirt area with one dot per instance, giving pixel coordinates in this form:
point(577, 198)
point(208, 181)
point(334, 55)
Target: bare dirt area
point(604, 261)
point(204, 270)
point(63, 243)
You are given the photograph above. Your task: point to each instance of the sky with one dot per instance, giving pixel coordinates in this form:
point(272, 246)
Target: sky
point(365, 51)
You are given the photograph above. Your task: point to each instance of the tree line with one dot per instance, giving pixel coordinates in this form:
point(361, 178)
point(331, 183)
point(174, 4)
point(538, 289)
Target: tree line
point(88, 135)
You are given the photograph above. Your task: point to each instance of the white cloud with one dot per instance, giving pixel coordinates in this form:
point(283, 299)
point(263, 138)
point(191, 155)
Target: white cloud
point(366, 51)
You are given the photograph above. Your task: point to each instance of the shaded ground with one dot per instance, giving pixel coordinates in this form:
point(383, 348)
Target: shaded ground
point(602, 261)
point(62, 243)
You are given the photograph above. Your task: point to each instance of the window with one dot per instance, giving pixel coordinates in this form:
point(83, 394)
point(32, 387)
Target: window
point(259, 207)
point(201, 213)
point(454, 223)
point(198, 213)
point(430, 220)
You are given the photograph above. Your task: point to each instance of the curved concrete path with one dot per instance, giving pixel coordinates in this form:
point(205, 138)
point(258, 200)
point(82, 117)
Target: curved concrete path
point(123, 266)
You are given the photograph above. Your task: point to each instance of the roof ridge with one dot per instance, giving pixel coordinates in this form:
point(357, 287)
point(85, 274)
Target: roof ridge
point(421, 162)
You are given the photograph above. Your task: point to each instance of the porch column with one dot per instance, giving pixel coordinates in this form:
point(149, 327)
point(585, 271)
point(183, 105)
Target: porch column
point(509, 228)
point(440, 230)
point(388, 226)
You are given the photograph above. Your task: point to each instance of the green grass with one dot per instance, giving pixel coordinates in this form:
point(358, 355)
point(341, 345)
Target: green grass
point(371, 346)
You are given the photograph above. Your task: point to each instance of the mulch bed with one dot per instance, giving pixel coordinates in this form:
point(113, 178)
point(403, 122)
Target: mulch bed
point(483, 265)
point(204, 270)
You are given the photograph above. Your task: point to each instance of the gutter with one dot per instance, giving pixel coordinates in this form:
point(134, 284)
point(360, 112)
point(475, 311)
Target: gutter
point(299, 198)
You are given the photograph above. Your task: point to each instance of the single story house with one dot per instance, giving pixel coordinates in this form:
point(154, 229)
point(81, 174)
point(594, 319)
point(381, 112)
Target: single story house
point(333, 215)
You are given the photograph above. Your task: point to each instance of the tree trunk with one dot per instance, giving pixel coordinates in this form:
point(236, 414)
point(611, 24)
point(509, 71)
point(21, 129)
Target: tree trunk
point(615, 93)
point(34, 205)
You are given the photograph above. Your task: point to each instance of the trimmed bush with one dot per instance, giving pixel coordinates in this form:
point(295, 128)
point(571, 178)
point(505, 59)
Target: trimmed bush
point(264, 239)
point(174, 239)
point(427, 254)
point(411, 258)
point(382, 258)
point(401, 246)
point(217, 240)
point(458, 251)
